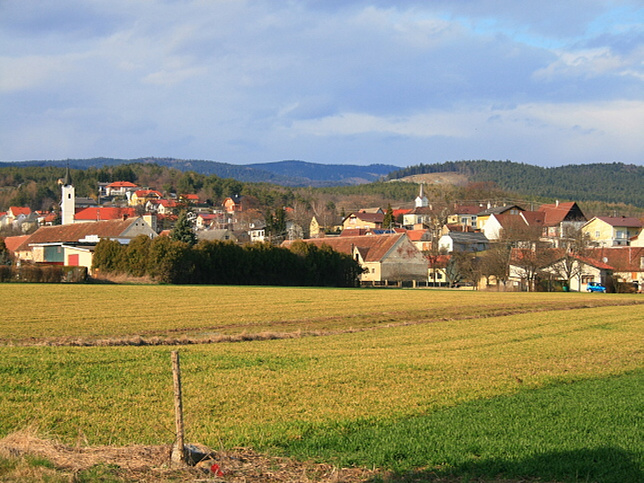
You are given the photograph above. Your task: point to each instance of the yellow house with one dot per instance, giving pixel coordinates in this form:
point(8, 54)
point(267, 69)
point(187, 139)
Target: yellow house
point(141, 197)
point(607, 231)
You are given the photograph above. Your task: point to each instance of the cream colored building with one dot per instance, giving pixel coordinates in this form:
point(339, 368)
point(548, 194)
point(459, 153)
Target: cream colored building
point(605, 231)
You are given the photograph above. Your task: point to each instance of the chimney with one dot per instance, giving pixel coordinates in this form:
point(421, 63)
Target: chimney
point(556, 202)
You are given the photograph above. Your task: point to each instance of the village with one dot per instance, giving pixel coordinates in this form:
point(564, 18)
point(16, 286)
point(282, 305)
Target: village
point(482, 246)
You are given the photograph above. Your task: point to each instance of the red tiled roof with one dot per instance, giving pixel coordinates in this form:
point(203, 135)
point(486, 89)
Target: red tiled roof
point(622, 259)
point(122, 184)
point(145, 193)
point(13, 242)
point(467, 210)
point(415, 235)
point(354, 232)
point(533, 218)
point(104, 213)
point(401, 211)
point(19, 210)
point(77, 231)
point(371, 248)
point(165, 203)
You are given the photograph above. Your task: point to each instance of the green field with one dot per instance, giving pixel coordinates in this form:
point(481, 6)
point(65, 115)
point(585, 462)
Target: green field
point(420, 382)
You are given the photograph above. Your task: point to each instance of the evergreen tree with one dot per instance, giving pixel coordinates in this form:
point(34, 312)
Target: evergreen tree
point(5, 256)
point(389, 220)
point(183, 231)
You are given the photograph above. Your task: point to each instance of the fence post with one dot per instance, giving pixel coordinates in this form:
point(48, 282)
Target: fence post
point(178, 456)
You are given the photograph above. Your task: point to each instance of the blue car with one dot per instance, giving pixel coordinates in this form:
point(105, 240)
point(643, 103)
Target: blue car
point(596, 287)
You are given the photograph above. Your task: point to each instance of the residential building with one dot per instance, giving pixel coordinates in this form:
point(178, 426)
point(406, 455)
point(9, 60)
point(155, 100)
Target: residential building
point(363, 220)
point(385, 258)
point(607, 231)
point(456, 241)
point(561, 220)
point(484, 215)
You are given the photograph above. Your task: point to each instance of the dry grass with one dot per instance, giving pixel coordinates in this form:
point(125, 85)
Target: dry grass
point(144, 314)
point(152, 464)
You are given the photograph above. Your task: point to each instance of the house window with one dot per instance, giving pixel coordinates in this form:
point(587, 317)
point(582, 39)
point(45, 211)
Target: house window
point(597, 234)
point(620, 234)
point(587, 278)
point(439, 276)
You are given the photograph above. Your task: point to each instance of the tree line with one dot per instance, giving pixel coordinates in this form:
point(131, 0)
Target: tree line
point(214, 262)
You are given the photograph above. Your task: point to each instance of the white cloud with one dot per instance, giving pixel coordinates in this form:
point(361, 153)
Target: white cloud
point(240, 81)
point(593, 63)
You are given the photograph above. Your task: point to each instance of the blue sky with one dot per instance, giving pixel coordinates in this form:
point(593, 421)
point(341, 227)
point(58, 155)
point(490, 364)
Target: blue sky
point(400, 82)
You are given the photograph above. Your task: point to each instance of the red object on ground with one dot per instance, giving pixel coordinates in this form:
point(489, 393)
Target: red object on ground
point(216, 470)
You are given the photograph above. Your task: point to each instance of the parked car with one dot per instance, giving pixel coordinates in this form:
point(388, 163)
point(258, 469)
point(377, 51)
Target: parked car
point(595, 287)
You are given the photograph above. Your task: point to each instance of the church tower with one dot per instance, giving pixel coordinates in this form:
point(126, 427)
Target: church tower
point(68, 202)
point(421, 200)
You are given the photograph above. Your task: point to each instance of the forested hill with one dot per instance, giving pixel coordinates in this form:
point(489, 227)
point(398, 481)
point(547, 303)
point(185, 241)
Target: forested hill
point(608, 182)
point(283, 173)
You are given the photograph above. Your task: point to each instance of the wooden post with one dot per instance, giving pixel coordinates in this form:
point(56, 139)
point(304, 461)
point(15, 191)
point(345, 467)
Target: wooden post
point(178, 456)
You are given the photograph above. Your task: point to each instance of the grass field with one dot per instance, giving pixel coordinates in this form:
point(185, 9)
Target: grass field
point(419, 382)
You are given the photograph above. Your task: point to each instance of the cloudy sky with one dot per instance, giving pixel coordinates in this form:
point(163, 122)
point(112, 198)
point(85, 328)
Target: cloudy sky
point(402, 82)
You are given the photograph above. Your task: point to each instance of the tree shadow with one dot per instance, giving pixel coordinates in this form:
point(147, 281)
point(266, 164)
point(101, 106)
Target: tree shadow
point(601, 465)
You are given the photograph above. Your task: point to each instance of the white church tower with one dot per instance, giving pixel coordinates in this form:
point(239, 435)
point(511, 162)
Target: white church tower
point(421, 200)
point(68, 202)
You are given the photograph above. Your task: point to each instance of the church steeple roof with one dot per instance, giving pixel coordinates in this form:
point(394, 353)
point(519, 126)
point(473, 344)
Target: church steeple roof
point(67, 180)
point(421, 199)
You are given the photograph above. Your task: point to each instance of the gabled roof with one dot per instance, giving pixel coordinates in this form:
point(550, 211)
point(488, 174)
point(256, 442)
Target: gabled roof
point(13, 242)
point(498, 210)
point(507, 220)
point(19, 210)
point(78, 231)
point(555, 213)
point(533, 218)
point(104, 213)
point(620, 221)
point(371, 248)
point(164, 203)
point(146, 193)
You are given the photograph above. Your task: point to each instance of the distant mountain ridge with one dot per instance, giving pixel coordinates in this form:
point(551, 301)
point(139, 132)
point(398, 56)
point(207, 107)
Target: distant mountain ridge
point(285, 173)
point(604, 182)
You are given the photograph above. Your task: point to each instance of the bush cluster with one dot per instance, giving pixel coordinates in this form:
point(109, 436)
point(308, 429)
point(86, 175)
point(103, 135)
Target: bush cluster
point(42, 273)
point(215, 262)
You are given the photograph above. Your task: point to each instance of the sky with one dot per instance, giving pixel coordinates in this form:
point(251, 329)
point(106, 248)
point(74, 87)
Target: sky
point(547, 83)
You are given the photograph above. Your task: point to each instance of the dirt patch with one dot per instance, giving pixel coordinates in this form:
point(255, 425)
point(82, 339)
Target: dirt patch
point(449, 178)
point(152, 464)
